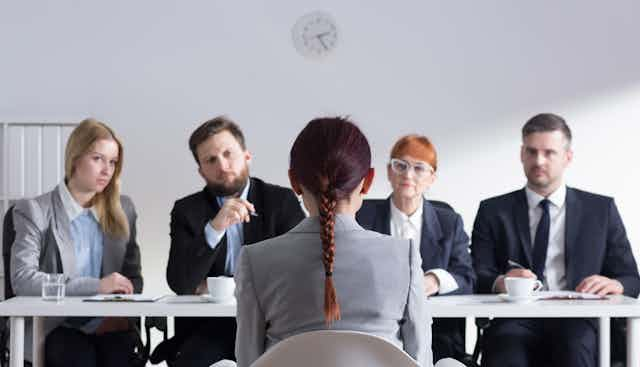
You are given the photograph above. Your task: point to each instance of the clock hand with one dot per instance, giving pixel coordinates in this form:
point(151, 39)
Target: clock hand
point(322, 42)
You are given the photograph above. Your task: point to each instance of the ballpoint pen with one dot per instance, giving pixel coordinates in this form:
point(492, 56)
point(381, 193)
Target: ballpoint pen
point(515, 264)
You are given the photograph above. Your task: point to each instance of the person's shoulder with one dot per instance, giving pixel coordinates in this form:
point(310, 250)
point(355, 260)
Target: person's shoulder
point(380, 239)
point(502, 200)
point(272, 195)
point(127, 204)
point(443, 210)
point(370, 210)
point(589, 198)
point(269, 189)
point(35, 207)
point(190, 200)
point(273, 245)
point(373, 205)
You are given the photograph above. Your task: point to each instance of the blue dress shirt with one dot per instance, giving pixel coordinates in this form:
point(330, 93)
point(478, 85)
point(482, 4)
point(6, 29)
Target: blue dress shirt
point(235, 236)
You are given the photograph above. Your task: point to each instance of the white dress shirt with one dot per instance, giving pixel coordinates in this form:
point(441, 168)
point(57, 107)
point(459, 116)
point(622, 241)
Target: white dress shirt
point(410, 227)
point(554, 267)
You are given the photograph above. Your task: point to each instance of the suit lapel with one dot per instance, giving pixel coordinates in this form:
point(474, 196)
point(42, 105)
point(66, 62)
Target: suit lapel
point(573, 218)
point(382, 222)
point(430, 248)
point(61, 233)
point(521, 215)
point(113, 250)
point(252, 231)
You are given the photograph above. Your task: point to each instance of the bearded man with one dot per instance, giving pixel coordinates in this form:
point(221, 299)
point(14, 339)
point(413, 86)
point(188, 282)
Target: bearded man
point(208, 229)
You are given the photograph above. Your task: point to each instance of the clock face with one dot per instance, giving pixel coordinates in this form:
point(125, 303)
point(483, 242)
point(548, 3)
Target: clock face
point(315, 35)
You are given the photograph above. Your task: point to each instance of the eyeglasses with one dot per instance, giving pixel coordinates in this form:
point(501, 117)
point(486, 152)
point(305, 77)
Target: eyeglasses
point(420, 169)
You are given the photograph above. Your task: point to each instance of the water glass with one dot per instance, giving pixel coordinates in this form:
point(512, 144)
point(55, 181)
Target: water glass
point(53, 287)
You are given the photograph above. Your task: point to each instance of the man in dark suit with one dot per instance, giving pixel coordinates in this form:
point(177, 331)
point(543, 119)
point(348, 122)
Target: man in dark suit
point(209, 227)
point(434, 226)
point(567, 238)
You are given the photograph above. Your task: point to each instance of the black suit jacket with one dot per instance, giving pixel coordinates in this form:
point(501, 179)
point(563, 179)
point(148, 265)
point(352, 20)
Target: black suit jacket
point(595, 243)
point(191, 259)
point(443, 242)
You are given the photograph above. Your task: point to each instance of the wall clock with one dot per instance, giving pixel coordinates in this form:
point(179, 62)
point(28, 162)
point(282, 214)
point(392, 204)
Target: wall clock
point(315, 35)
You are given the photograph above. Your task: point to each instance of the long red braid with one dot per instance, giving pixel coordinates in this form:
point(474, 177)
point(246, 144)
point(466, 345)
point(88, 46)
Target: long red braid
point(327, 211)
point(329, 159)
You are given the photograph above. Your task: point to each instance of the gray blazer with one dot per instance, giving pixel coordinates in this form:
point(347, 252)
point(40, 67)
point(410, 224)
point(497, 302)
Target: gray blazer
point(43, 245)
point(378, 280)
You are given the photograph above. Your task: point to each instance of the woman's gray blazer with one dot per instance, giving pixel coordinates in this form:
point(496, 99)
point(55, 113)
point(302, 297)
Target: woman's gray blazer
point(378, 279)
point(43, 245)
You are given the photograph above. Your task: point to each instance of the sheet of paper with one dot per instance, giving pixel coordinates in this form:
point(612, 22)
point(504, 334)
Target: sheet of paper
point(122, 298)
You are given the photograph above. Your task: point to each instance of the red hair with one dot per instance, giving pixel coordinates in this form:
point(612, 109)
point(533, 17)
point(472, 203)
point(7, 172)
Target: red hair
point(418, 147)
point(330, 157)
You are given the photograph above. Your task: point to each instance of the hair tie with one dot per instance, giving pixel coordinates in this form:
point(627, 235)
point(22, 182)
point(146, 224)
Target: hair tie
point(328, 273)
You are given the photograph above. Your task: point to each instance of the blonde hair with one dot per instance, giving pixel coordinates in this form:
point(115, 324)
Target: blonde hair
point(107, 203)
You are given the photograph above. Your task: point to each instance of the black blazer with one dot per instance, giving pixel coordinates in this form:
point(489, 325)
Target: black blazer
point(191, 260)
point(595, 243)
point(443, 242)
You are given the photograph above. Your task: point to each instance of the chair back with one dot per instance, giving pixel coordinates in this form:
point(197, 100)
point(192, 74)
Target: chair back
point(8, 236)
point(335, 348)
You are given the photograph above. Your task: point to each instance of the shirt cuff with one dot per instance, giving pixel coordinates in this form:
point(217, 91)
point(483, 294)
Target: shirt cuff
point(212, 236)
point(447, 282)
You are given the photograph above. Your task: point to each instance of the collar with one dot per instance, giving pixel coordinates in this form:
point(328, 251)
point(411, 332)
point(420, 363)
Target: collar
point(399, 217)
point(71, 206)
point(557, 198)
point(343, 223)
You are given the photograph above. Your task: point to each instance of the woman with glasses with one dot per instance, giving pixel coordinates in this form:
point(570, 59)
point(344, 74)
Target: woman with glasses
point(435, 226)
point(328, 271)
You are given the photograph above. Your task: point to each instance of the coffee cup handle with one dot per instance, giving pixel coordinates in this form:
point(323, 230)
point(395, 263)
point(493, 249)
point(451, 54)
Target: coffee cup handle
point(538, 286)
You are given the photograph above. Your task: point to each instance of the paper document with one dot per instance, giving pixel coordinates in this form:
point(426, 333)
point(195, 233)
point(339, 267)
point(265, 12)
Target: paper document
point(122, 298)
point(568, 295)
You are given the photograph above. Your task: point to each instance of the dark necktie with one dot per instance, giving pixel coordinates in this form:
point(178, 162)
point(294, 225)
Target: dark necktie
point(541, 241)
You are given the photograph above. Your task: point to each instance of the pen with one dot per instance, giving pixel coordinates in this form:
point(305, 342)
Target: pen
point(515, 264)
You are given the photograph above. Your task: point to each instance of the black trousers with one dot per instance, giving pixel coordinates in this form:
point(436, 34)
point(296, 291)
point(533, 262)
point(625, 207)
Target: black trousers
point(447, 338)
point(541, 342)
point(204, 341)
point(67, 347)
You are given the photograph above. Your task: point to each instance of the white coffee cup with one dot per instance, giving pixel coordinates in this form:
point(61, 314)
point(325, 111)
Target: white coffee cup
point(221, 288)
point(521, 287)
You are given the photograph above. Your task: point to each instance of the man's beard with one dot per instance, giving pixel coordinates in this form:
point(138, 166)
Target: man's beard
point(232, 189)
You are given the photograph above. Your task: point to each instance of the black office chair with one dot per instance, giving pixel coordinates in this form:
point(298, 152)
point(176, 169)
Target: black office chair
point(138, 359)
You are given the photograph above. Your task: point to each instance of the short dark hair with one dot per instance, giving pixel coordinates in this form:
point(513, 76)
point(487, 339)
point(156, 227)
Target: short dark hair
point(212, 127)
point(546, 122)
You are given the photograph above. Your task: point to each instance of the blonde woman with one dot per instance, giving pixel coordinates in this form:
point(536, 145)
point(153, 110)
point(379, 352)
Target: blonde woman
point(86, 230)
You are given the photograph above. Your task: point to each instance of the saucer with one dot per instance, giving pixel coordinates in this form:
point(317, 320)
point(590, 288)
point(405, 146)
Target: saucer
point(507, 298)
point(210, 298)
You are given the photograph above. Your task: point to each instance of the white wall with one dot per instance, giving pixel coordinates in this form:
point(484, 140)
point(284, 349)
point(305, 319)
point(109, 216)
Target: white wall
point(468, 74)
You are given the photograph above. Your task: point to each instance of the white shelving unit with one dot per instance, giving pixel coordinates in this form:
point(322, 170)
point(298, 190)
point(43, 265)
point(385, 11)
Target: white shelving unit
point(31, 162)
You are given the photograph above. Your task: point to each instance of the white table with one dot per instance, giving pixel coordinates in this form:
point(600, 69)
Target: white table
point(491, 306)
point(20, 307)
point(443, 306)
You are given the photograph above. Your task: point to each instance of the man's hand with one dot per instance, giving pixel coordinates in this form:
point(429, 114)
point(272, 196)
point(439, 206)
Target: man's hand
point(431, 284)
point(234, 210)
point(115, 283)
point(514, 273)
point(597, 284)
point(202, 288)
